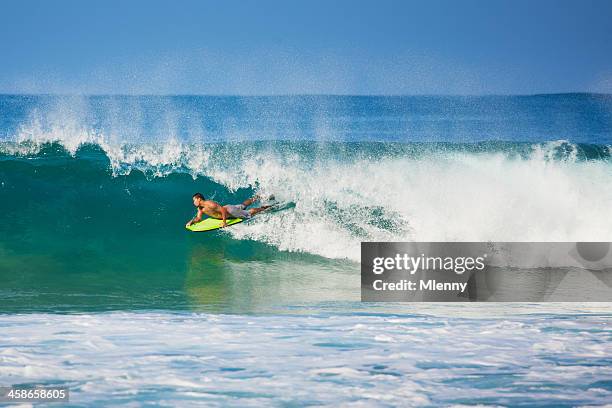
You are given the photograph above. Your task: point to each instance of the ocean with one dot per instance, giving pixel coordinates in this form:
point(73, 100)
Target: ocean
point(103, 289)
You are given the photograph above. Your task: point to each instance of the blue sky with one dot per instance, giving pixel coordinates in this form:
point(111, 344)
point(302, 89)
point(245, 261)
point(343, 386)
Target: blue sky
point(311, 46)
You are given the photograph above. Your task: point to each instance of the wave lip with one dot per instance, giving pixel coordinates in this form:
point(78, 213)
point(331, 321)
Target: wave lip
point(160, 159)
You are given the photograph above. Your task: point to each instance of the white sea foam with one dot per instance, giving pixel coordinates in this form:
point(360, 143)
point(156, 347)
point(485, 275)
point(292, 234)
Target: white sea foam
point(452, 197)
point(190, 359)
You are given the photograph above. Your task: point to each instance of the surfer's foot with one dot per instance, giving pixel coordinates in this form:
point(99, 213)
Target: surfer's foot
point(271, 200)
point(257, 197)
point(250, 201)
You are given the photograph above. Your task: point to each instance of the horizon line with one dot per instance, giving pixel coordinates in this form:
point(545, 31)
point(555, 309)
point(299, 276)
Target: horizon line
point(221, 95)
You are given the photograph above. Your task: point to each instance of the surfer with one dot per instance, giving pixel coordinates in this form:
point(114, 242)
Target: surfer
point(216, 210)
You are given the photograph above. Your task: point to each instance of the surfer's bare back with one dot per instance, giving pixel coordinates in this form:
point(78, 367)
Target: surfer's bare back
point(216, 210)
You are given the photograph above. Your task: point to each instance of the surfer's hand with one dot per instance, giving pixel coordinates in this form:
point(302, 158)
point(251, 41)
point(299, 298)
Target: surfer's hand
point(224, 224)
point(188, 224)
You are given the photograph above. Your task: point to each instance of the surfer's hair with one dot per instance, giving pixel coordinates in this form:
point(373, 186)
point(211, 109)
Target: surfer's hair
point(198, 195)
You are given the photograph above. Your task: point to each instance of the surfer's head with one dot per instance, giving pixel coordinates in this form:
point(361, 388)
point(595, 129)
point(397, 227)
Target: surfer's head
point(197, 199)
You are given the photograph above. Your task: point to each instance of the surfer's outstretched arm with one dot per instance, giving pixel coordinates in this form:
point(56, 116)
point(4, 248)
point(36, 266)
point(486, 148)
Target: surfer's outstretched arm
point(195, 219)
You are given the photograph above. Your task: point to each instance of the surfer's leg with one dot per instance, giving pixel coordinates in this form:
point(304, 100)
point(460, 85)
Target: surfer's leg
point(250, 201)
point(254, 211)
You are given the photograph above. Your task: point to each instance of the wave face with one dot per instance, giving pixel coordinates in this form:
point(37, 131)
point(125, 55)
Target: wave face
point(345, 192)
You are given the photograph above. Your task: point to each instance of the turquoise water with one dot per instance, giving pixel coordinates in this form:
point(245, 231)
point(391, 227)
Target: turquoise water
point(94, 191)
point(103, 289)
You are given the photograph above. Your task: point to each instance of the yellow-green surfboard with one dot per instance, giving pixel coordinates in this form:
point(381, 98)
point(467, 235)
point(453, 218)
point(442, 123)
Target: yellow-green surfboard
point(210, 224)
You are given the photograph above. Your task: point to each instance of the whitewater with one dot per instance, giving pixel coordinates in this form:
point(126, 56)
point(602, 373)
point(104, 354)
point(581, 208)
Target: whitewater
point(510, 358)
